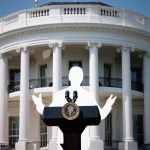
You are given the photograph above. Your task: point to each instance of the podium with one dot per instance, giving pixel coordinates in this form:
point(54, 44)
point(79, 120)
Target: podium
point(72, 129)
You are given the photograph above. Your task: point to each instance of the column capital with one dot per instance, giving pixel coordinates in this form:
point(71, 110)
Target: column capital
point(125, 48)
point(93, 44)
point(23, 48)
point(144, 55)
point(3, 55)
point(52, 44)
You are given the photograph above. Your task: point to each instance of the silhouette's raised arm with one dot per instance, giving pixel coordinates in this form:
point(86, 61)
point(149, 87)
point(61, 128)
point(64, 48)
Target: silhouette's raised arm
point(38, 102)
point(107, 107)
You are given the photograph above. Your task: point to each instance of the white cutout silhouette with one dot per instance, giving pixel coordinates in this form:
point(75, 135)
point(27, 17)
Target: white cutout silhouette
point(85, 98)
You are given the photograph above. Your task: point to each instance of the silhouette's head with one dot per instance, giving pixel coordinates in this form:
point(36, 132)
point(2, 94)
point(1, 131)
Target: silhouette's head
point(75, 76)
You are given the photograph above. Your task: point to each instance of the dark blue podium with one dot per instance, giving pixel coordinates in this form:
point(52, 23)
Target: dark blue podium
point(72, 129)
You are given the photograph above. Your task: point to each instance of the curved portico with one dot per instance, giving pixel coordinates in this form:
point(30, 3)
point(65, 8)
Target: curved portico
point(99, 89)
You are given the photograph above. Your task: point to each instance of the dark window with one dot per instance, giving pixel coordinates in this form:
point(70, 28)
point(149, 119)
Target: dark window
point(136, 75)
point(136, 79)
point(43, 132)
point(14, 75)
point(138, 129)
point(14, 80)
point(13, 131)
point(75, 63)
point(107, 74)
point(108, 130)
point(43, 75)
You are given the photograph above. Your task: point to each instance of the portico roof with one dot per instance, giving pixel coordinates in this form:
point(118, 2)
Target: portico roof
point(68, 2)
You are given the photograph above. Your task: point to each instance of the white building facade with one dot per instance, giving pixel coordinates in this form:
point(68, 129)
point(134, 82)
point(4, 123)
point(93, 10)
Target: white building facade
point(38, 47)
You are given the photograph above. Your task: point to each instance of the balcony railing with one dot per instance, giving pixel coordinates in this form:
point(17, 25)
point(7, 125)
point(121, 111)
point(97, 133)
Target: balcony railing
point(48, 82)
point(115, 82)
point(41, 82)
point(14, 86)
point(110, 82)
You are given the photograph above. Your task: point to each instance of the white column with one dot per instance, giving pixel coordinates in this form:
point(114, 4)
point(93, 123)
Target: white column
point(3, 99)
point(127, 100)
point(57, 66)
point(94, 75)
point(93, 67)
point(95, 140)
point(146, 64)
point(24, 96)
point(126, 95)
point(57, 83)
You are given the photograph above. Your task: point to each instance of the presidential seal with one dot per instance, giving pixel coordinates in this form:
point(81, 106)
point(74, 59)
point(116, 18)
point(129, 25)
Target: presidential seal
point(70, 111)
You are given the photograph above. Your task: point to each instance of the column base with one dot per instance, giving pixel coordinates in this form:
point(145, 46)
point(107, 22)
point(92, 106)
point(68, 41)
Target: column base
point(128, 145)
point(54, 145)
point(24, 145)
point(96, 144)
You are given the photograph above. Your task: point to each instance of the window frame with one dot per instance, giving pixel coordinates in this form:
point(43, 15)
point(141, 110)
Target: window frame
point(14, 137)
point(43, 133)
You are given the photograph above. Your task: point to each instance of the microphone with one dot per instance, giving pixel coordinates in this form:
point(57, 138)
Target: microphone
point(67, 96)
point(75, 96)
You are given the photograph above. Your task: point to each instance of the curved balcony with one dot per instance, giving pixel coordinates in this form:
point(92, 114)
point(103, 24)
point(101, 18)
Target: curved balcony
point(48, 82)
point(115, 82)
point(74, 13)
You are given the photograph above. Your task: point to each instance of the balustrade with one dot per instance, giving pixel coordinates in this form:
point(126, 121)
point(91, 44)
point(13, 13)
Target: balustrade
point(136, 17)
point(39, 13)
point(109, 12)
point(118, 16)
point(11, 19)
point(74, 11)
point(48, 82)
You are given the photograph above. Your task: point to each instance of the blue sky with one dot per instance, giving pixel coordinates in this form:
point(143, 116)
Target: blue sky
point(10, 6)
